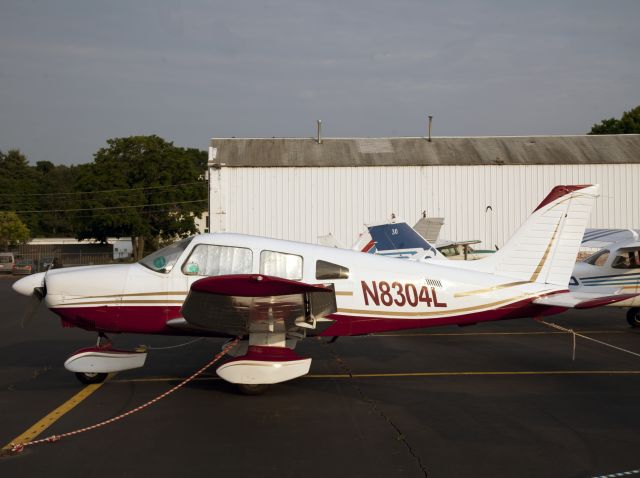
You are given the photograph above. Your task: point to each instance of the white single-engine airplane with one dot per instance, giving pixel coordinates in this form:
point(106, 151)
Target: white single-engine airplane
point(615, 265)
point(274, 293)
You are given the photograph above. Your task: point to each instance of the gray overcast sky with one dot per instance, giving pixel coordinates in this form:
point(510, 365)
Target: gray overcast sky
point(74, 73)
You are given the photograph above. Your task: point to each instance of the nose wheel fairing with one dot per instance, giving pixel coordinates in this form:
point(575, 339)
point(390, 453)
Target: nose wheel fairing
point(104, 359)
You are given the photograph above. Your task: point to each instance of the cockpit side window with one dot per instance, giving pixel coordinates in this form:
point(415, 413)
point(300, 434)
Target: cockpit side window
point(164, 259)
point(212, 260)
point(626, 260)
point(280, 264)
point(599, 258)
point(328, 270)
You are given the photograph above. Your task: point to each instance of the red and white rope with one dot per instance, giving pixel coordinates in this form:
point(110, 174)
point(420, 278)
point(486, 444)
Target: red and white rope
point(18, 447)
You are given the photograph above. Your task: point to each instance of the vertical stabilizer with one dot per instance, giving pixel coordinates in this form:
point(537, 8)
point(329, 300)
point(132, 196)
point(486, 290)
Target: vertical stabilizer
point(545, 247)
point(429, 228)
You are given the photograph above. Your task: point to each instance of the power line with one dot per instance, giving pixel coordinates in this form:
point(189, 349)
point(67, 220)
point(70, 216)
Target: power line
point(105, 190)
point(152, 211)
point(123, 195)
point(111, 207)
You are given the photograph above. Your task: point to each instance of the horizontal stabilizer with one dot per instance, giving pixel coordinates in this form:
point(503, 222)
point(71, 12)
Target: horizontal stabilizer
point(582, 300)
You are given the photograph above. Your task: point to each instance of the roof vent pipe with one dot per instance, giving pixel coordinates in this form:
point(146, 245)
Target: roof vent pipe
point(430, 120)
point(319, 132)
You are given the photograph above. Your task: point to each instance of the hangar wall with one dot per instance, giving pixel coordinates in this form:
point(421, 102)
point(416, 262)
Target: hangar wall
point(487, 202)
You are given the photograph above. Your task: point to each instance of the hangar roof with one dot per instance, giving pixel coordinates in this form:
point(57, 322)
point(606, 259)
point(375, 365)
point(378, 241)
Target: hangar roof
point(452, 151)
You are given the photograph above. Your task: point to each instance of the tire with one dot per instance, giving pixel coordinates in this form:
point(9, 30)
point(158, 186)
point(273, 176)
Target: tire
point(633, 317)
point(252, 389)
point(89, 377)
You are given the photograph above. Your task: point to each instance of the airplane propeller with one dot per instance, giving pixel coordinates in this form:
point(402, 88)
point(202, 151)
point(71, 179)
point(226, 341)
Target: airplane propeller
point(35, 299)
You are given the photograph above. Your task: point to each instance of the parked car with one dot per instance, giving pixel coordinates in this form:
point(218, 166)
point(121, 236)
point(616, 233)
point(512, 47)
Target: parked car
point(24, 267)
point(46, 263)
point(50, 263)
point(7, 262)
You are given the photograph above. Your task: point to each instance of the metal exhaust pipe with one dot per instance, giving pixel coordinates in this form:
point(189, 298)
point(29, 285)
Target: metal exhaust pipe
point(319, 137)
point(430, 121)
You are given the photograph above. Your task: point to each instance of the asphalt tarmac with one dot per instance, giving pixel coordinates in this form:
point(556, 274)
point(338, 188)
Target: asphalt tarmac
point(496, 399)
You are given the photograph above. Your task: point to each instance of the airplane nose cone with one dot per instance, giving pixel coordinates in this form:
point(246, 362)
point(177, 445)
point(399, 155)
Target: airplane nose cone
point(26, 285)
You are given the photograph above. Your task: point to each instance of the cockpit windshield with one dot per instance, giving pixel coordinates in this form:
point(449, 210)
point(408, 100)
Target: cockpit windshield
point(164, 259)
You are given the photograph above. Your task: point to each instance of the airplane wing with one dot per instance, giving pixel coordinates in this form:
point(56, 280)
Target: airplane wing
point(583, 300)
point(429, 228)
point(599, 238)
point(231, 304)
point(468, 242)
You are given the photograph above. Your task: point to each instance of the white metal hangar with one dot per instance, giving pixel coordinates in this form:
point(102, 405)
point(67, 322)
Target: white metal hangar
point(484, 187)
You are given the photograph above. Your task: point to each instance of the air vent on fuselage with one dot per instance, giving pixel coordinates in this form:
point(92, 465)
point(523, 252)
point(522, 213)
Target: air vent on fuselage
point(433, 282)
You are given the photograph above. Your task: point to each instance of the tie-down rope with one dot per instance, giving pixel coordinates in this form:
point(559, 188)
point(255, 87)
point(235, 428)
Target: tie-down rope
point(18, 447)
point(576, 334)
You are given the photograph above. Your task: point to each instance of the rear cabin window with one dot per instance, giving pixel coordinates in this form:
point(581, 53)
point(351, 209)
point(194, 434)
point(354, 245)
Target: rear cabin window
point(598, 259)
point(210, 260)
point(328, 270)
point(279, 264)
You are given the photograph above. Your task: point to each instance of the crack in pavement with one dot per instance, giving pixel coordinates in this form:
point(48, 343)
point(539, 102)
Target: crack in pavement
point(374, 406)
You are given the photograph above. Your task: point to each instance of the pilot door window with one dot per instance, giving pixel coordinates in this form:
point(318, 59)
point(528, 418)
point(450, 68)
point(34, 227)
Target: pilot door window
point(208, 260)
point(627, 260)
point(279, 264)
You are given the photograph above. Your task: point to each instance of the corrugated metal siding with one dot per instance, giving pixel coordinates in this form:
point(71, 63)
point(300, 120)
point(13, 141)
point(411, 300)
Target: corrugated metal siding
point(303, 203)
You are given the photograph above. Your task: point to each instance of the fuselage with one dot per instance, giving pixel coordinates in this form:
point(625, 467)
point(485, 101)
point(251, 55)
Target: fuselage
point(373, 293)
point(616, 266)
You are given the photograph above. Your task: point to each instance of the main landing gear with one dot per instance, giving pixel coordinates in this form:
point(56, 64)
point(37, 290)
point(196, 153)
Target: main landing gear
point(633, 317)
point(252, 389)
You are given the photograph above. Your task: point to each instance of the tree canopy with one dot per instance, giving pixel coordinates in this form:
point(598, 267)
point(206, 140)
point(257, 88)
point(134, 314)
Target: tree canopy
point(148, 188)
point(12, 230)
point(139, 186)
point(629, 123)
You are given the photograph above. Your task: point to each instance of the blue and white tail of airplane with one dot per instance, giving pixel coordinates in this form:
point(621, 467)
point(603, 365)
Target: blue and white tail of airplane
point(398, 240)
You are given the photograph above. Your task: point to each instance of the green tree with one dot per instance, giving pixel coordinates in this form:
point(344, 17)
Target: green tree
point(18, 184)
point(150, 190)
point(56, 187)
point(629, 123)
point(12, 230)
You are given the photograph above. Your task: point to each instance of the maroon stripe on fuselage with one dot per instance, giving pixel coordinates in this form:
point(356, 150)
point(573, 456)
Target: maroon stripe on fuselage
point(152, 319)
point(360, 325)
point(122, 318)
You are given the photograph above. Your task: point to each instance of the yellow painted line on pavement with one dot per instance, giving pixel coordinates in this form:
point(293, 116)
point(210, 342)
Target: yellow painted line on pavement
point(468, 334)
point(412, 374)
point(34, 431)
point(478, 373)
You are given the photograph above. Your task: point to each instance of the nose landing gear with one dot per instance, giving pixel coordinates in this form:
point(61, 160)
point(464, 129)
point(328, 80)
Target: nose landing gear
point(93, 364)
point(91, 377)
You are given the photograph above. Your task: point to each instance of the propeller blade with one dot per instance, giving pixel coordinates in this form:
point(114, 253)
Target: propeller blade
point(38, 293)
point(32, 307)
